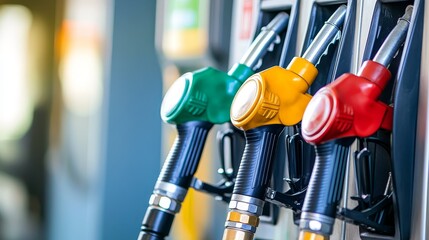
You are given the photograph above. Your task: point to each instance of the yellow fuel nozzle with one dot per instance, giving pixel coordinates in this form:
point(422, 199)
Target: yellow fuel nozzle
point(278, 95)
point(262, 96)
point(262, 106)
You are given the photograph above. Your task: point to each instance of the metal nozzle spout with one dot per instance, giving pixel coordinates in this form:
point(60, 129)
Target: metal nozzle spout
point(278, 23)
point(262, 42)
point(395, 39)
point(326, 35)
point(337, 18)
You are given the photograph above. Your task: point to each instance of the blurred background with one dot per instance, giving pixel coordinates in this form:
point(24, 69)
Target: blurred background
point(81, 139)
point(80, 142)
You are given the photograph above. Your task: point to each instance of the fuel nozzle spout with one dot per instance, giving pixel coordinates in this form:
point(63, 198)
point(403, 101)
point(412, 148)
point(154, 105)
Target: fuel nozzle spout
point(268, 36)
point(376, 70)
point(394, 40)
point(326, 36)
point(305, 66)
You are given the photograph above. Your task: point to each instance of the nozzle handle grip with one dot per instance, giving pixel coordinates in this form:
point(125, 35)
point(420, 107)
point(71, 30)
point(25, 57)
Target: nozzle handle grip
point(184, 156)
point(256, 165)
point(326, 184)
point(178, 170)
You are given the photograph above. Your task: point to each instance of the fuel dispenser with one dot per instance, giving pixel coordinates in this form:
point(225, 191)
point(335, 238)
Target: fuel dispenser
point(274, 169)
point(334, 118)
point(293, 157)
point(263, 105)
point(235, 137)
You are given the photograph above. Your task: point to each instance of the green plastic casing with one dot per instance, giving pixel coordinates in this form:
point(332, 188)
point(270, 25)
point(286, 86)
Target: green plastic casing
point(209, 95)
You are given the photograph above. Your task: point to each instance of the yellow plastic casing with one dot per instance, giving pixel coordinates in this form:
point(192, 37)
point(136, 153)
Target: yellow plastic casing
point(281, 95)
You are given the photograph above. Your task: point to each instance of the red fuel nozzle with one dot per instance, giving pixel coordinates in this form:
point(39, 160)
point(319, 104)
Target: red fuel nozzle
point(346, 108)
point(349, 106)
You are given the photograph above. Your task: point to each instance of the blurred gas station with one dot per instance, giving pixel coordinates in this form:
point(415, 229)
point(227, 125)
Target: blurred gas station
point(80, 91)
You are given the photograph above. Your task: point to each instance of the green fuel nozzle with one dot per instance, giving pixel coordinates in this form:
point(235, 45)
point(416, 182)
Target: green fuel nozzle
point(207, 94)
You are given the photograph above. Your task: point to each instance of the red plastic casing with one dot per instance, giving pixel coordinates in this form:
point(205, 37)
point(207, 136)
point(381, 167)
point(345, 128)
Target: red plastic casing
point(349, 106)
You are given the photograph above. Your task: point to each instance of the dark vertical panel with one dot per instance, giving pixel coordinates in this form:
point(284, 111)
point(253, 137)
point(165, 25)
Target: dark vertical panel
point(132, 150)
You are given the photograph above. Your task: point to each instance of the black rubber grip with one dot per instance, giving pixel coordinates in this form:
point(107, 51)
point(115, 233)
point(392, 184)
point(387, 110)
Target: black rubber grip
point(327, 179)
point(156, 225)
point(184, 157)
point(256, 167)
